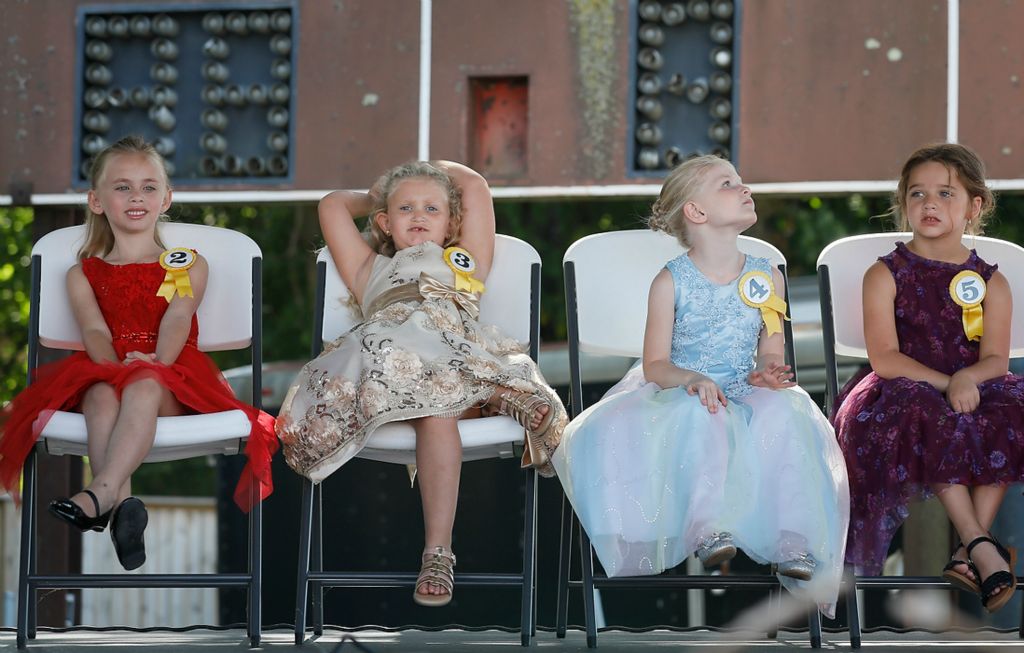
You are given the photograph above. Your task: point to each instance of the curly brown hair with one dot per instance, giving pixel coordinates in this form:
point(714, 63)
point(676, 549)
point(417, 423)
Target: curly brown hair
point(961, 161)
point(382, 190)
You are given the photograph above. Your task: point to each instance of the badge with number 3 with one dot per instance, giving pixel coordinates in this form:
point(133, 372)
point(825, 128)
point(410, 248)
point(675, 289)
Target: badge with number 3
point(459, 260)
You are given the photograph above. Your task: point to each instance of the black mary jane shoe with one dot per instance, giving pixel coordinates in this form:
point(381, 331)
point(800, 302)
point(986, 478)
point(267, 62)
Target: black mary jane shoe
point(127, 528)
point(67, 510)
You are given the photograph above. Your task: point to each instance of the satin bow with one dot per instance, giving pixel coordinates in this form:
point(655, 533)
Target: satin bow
point(431, 288)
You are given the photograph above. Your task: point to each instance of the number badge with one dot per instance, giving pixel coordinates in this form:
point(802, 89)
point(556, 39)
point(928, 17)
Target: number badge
point(179, 258)
point(459, 260)
point(756, 288)
point(757, 291)
point(462, 264)
point(967, 288)
point(176, 261)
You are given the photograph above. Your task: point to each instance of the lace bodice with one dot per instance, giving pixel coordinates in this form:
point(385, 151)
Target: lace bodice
point(127, 297)
point(715, 333)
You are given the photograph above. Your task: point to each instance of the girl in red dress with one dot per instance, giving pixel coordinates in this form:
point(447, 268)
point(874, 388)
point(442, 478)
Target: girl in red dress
point(140, 360)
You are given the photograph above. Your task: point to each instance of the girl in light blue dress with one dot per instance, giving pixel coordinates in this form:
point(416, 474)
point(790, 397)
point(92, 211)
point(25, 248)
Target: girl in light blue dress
point(708, 445)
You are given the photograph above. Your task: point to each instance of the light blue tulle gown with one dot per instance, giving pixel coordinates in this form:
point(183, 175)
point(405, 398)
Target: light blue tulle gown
point(650, 471)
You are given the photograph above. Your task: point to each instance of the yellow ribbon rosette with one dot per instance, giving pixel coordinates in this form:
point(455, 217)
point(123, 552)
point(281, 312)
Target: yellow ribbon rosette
point(176, 261)
point(757, 290)
point(462, 264)
point(968, 290)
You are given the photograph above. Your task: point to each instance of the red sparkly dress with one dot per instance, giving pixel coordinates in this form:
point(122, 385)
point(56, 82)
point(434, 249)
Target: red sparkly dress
point(127, 297)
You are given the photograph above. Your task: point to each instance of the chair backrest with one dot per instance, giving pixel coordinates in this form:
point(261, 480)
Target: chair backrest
point(842, 265)
point(506, 302)
point(225, 314)
point(613, 273)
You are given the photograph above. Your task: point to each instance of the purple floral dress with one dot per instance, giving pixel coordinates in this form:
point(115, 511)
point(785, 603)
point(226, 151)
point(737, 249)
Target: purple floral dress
point(899, 436)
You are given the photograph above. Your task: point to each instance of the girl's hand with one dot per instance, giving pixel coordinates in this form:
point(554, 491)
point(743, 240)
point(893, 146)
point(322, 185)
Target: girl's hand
point(774, 376)
point(962, 393)
point(133, 356)
point(710, 394)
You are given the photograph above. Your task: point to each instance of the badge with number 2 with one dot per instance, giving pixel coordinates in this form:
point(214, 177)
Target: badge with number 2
point(179, 258)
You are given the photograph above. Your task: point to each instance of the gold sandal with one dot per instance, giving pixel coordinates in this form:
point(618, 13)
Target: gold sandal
point(521, 407)
point(439, 569)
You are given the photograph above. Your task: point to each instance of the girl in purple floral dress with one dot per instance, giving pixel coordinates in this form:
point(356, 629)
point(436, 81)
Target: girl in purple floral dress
point(939, 413)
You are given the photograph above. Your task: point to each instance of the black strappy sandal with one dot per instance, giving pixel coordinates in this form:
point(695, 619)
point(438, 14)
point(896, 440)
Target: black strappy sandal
point(67, 510)
point(1004, 581)
point(958, 579)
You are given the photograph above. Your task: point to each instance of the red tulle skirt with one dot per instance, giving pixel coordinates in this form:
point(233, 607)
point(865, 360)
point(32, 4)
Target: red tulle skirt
point(193, 380)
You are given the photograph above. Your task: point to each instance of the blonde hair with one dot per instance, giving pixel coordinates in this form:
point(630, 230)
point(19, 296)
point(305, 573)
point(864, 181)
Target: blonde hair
point(99, 239)
point(959, 160)
point(679, 188)
point(384, 187)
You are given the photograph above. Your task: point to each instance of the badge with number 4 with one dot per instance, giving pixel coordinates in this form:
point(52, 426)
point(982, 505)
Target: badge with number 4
point(757, 290)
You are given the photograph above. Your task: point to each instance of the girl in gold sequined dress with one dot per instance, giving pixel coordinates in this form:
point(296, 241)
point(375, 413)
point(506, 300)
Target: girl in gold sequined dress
point(421, 355)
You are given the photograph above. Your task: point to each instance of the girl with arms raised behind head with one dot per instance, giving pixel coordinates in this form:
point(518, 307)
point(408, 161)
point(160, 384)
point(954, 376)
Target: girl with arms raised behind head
point(421, 355)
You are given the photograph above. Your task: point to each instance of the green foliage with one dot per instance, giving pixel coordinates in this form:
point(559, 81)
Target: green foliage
point(15, 283)
point(289, 237)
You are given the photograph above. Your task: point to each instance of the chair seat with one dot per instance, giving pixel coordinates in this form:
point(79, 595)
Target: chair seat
point(485, 437)
point(182, 436)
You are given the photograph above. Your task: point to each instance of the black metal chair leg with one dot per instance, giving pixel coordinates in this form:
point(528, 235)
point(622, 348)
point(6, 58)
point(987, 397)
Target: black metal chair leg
point(564, 563)
point(255, 626)
point(318, 560)
point(529, 557)
point(1020, 630)
point(533, 584)
point(774, 601)
point(587, 564)
point(302, 586)
point(852, 613)
point(33, 559)
point(814, 627)
point(26, 597)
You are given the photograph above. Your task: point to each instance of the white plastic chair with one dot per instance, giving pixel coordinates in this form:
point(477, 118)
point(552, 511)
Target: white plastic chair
point(607, 278)
point(841, 268)
point(229, 318)
point(512, 303)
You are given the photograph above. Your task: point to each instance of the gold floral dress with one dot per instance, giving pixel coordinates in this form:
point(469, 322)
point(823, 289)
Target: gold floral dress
point(415, 355)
